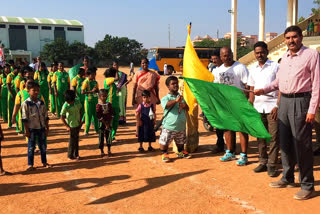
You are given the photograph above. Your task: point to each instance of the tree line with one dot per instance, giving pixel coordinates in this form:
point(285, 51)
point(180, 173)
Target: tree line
point(111, 48)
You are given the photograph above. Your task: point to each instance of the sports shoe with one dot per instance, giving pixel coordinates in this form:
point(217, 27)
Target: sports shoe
point(228, 156)
point(281, 184)
point(260, 168)
point(183, 154)
point(303, 194)
point(165, 158)
point(272, 171)
point(243, 160)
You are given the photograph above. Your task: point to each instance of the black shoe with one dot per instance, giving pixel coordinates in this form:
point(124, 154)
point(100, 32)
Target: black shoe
point(260, 168)
point(272, 171)
point(317, 152)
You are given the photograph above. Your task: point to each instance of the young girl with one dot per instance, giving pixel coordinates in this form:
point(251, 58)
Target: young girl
point(61, 83)
point(90, 88)
point(111, 75)
point(104, 115)
point(146, 118)
point(52, 97)
point(41, 77)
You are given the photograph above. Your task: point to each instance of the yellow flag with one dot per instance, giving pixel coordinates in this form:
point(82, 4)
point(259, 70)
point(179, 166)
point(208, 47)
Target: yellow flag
point(193, 68)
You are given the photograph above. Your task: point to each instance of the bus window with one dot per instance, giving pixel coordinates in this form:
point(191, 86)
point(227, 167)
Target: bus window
point(151, 54)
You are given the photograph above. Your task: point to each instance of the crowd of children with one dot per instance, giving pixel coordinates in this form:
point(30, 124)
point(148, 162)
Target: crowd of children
point(27, 95)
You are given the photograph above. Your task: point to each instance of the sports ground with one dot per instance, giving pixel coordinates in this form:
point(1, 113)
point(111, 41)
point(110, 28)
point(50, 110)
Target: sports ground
point(131, 182)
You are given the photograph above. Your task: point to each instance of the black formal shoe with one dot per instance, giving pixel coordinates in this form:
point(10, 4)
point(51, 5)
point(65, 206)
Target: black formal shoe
point(260, 168)
point(317, 152)
point(272, 171)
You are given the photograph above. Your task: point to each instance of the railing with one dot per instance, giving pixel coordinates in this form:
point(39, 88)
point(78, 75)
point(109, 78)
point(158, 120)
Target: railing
point(274, 43)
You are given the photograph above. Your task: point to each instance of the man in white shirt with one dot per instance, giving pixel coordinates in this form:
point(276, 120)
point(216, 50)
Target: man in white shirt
point(235, 74)
point(262, 74)
point(165, 69)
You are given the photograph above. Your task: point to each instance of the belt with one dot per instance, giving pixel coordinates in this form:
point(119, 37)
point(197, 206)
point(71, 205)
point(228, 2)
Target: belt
point(304, 94)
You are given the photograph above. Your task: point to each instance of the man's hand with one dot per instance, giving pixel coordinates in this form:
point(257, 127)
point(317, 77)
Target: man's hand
point(310, 118)
point(68, 128)
point(55, 94)
point(27, 133)
point(133, 102)
point(258, 92)
point(158, 101)
point(274, 113)
point(13, 120)
point(140, 123)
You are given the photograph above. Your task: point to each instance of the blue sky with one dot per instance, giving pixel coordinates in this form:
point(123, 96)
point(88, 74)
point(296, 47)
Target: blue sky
point(147, 21)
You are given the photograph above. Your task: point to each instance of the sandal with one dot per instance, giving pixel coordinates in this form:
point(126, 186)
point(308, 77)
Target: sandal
point(151, 149)
point(141, 149)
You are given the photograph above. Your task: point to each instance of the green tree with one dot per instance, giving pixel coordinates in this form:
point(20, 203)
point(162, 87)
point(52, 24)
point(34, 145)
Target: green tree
point(122, 49)
point(301, 19)
point(206, 43)
point(57, 50)
point(316, 11)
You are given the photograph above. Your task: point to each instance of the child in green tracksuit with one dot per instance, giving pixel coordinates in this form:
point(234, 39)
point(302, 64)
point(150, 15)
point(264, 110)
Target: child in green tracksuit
point(16, 86)
point(52, 97)
point(11, 92)
point(41, 77)
point(90, 88)
point(111, 75)
point(61, 83)
point(4, 93)
point(76, 84)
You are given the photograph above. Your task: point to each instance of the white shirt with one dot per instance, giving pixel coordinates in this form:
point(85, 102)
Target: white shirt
point(165, 69)
point(235, 75)
point(260, 77)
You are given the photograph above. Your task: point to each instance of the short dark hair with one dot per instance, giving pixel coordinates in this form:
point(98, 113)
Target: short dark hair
point(61, 63)
point(54, 64)
point(115, 62)
point(7, 66)
point(169, 79)
point(81, 70)
point(11, 61)
point(110, 72)
point(85, 57)
point(260, 44)
point(31, 85)
point(145, 93)
point(146, 59)
point(69, 95)
point(42, 64)
point(91, 70)
point(216, 53)
point(103, 91)
point(293, 28)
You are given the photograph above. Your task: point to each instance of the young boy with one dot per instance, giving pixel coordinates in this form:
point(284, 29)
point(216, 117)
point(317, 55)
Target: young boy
point(41, 77)
point(36, 124)
point(111, 75)
point(71, 118)
point(146, 119)
point(2, 172)
point(90, 88)
point(11, 92)
point(52, 97)
point(104, 115)
point(174, 122)
point(61, 83)
point(76, 85)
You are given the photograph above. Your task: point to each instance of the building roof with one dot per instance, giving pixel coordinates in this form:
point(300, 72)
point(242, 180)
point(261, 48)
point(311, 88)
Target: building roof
point(39, 21)
point(207, 37)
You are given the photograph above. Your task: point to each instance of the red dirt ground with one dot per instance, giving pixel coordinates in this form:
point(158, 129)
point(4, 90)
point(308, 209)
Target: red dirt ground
point(130, 182)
